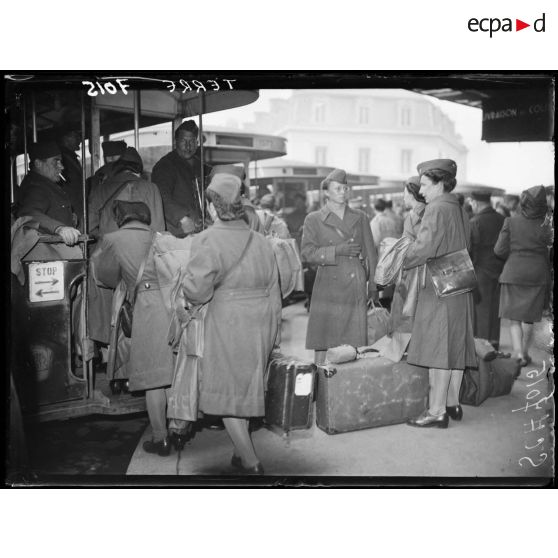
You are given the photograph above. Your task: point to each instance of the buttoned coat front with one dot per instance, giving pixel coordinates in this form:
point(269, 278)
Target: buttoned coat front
point(338, 306)
point(442, 335)
point(243, 316)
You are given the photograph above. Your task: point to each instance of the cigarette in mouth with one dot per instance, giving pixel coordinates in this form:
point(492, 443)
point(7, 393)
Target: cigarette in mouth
point(63, 179)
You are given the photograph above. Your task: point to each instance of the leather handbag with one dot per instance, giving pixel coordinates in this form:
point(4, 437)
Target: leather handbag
point(453, 273)
point(127, 308)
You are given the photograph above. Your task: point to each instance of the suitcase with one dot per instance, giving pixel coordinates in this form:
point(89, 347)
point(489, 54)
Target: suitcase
point(369, 392)
point(505, 371)
point(491, 379)
point(290, 393)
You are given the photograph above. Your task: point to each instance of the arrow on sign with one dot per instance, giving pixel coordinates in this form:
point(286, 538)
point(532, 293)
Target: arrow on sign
point(41, 292)
point(52, 282)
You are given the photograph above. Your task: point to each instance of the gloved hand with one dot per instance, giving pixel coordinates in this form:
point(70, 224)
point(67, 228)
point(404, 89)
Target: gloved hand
point(69, 235)
point(347, 248)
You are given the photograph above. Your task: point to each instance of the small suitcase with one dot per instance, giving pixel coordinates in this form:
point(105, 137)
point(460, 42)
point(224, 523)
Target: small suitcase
point(369, 392)
point(290, 393)
point(505, 371)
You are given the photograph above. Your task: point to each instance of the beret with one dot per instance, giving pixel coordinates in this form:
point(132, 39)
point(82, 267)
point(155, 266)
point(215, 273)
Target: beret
point(227, 186)
point(480, 196)
point(44, 150)
point(446, 165)
point(111, 148)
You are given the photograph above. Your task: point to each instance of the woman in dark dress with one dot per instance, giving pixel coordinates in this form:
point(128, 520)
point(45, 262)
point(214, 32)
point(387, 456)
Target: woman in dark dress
point(442, 338)
point(524, 241)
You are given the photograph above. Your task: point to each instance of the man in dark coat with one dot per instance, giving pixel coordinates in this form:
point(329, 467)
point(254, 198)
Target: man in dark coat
point(69, 141)
point(112, 151)
point(41, 197)
point(486, 224)
point(178, 176)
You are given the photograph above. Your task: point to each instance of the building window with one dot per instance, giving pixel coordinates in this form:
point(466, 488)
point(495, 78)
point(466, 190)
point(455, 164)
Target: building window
point(319, 113)
point(405, 116)
point(320, 155)
point(406, 160)
point(363, 115)
point(364, 159)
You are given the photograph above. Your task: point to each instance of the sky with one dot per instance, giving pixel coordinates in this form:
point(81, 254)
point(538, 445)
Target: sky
point(512, 166)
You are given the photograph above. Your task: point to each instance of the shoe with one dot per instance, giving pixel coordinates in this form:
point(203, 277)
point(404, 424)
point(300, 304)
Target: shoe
point(426, 420)
point(455, 412)
point(161, 448)
point(257, 469)
point(213, 423)
point(524, 361)
point(179, 440)
point(115, 387)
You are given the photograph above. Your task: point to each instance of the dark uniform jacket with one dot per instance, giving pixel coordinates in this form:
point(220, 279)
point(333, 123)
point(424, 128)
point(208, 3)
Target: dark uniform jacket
point(73, 186)
point(176, 180)
point(525, 242)
point(485, 228)
point(46, 202)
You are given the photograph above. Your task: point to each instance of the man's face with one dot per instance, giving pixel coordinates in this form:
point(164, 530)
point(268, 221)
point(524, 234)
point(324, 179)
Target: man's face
point(72, 141)
point(50, 168)
point(186, 144)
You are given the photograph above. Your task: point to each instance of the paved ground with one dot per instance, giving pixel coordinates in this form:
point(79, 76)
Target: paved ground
point(498, 439)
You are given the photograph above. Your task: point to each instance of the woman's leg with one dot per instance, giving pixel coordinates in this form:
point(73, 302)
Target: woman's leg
point(517, 338)
point(319, 357)
point(237, 429)
point(156, 401)
point(439, 384)
point(453, 388)
point(527, 331)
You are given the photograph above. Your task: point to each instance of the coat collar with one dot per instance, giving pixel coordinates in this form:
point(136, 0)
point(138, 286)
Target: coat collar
point(448, 197)
point(350, 218)
point(237, 224)
point(135, 225)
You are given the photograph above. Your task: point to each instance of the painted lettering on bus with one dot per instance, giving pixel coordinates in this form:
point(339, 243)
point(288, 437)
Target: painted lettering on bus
point(106, 87)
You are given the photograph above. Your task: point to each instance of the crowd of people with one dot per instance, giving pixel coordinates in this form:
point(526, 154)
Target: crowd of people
point(232, 273)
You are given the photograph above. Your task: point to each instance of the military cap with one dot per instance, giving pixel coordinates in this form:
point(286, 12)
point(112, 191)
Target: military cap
point(336, 175)
point(446, 165)
point(481, 196)
point(227, 186)
point(44, 150)
point(112, 148)
point(187, 126)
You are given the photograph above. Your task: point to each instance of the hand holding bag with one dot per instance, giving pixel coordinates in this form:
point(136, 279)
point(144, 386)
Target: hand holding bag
point(453, 273)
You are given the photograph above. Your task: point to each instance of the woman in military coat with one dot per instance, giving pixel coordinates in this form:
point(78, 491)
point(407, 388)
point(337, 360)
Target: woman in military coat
point(525, 280)
point(233, 270)
point(442, 337)
point(339, 241)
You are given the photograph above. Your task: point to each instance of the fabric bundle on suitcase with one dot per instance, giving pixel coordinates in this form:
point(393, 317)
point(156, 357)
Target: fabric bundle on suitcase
point(290, 393)
point(491, 379)
point(369, 392)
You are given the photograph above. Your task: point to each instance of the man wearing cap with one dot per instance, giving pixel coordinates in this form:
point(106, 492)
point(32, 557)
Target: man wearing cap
point(338, 240)
point(69, 141)
point(41, 197)
point(486, 225)
point(112, 151)
point(178, 176)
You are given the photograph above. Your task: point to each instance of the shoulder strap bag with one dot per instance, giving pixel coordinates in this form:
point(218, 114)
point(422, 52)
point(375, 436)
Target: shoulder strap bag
point(127, 308)
point(453, 273)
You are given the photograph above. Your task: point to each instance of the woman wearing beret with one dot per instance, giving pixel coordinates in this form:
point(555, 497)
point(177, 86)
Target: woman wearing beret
point(338, 240)
point(525, 280)
point(442, 337)
point(233, 270)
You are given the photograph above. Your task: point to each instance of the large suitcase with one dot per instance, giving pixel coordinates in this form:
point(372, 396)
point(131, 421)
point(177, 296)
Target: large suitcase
point(505, 371)
point(290, 393)
point(369, 392)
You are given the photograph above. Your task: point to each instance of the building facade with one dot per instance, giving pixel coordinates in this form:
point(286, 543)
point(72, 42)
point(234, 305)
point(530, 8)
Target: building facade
point(367, 131)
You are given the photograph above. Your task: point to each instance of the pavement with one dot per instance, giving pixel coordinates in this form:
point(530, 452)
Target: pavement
point(509, 436)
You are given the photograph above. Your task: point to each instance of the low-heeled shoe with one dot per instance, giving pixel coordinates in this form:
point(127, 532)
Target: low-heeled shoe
point(257, 469)
point(455, 412)
point(426, 420)
point(162, 448)
point(179, 440)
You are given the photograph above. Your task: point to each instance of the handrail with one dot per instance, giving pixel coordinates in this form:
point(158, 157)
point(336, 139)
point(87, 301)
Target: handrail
point(57, 239)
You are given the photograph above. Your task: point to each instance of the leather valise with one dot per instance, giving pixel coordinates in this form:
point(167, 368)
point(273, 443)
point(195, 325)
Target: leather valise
point(369, 392)
point(289, 397)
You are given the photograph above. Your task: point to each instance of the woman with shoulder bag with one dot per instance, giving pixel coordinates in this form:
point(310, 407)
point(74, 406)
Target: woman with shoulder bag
point(442, 337)
point(126, 254)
